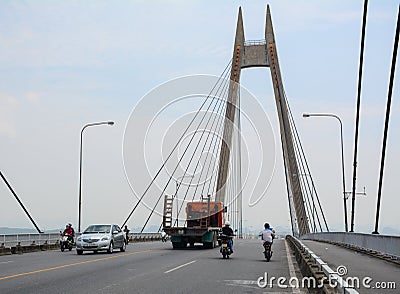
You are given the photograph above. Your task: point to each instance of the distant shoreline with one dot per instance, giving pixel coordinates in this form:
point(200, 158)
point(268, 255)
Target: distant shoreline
point(12, 231)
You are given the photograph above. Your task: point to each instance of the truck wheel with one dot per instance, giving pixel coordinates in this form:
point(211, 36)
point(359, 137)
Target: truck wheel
point(208, 245)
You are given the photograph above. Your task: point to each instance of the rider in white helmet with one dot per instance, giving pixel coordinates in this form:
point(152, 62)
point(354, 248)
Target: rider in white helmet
point(268, 234)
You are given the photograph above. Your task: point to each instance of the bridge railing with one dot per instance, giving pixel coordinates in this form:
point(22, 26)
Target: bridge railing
point(382, 244)
point(11, 240)
point(255, 42)
point(312, 265)
point(144, 237)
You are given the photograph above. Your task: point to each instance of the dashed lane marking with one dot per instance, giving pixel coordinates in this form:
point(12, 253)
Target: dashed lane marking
point(71, 265)
point(178, 267)
point(3, 262)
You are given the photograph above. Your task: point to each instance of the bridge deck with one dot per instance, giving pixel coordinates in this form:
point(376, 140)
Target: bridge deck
point(358, 265)
point(146, 268)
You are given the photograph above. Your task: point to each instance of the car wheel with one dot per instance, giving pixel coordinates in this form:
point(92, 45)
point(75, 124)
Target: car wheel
point(111, 248)
point(79, 252)
point(123, 248)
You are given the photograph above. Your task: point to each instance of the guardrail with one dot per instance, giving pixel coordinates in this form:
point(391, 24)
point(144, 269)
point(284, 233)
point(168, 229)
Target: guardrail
point(255, 42)
point(51, 238)
point(28, 239)
point(384, 246)
point(144, 237)
point(311, 265)
point(19, 243)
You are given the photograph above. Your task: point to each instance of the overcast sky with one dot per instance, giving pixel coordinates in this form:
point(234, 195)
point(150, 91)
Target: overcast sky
point(67, 63)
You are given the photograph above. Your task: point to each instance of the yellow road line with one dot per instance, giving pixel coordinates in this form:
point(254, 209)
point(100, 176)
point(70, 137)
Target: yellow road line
point(70, 265)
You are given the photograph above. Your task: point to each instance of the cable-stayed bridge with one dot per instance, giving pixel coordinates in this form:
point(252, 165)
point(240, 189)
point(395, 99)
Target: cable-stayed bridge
point(205, 165)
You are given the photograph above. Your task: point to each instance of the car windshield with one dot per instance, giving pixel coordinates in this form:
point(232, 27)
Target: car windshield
point(97, 229)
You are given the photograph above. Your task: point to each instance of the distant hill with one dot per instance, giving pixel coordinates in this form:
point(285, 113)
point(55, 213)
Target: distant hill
point(149, 229)
point(390, 231)
point(11, 231)
point(281, 230)
point(6, 230)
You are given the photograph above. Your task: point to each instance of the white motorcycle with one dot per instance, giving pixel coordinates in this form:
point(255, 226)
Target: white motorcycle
point(65, 242)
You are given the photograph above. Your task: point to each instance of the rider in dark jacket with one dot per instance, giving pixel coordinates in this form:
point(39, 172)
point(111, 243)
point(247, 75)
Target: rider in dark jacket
point(227, 230)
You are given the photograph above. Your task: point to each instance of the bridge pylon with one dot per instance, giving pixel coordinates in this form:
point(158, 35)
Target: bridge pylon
point(263, 53)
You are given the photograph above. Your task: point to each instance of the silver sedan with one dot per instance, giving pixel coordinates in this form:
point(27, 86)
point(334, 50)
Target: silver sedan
point(101, 237)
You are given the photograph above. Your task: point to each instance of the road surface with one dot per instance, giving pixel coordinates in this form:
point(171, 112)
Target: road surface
point(152, 267)
point(359, 266)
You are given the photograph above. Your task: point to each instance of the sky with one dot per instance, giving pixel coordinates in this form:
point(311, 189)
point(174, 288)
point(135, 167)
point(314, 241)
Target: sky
point(67, 63)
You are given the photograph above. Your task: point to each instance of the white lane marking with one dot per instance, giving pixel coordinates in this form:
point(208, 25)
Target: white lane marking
point(249, 284)
point(242, 282)
point(6, 261)
point(178, 267)
point(291, 268)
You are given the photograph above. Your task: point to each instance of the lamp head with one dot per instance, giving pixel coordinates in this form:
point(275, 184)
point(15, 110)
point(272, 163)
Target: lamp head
point(110, 123)
point(306, 115)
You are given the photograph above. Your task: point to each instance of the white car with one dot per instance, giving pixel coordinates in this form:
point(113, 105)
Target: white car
point(101, 237)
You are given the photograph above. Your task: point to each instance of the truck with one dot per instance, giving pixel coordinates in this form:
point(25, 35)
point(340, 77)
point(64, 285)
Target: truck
point(204, 220)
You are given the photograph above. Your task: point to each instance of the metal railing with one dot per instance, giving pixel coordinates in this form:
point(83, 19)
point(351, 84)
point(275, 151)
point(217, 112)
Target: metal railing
point(381, 244)
point(11, 240)
point(28, 239)
point(255, 42)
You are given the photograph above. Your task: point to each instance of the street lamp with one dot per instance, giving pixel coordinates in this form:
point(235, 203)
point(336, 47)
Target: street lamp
point(306, 115)
point(176, 194)
point(80, 166)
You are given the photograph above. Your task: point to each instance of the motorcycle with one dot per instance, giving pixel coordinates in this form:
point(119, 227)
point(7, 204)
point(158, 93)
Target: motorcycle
point(65, 242)
point(164, 237)
point(225, 245)
point(267, 250)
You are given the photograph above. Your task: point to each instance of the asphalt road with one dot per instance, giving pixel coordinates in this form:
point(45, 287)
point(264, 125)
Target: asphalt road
point(149, 268)
point(359, 266)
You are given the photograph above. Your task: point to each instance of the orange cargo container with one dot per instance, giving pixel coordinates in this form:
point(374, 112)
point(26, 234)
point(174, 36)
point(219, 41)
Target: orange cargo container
point(196, 211)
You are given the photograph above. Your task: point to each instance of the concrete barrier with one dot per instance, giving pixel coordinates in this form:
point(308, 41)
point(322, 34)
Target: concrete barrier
point(380, 244)
point(313, 266)
point(5, 250)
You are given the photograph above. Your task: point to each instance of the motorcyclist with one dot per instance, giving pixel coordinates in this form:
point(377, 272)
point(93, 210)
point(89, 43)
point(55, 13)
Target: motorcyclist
point(163, 236)
point(267, 235)
point(69, 231)
point(126, 230)
point(227, 230)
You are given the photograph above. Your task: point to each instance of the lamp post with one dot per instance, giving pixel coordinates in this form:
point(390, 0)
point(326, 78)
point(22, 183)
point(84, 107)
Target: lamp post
point(306, 115)
point(80, 166)
point(176, 194)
